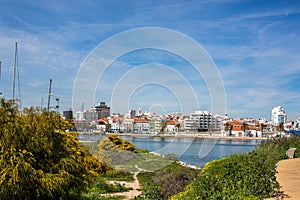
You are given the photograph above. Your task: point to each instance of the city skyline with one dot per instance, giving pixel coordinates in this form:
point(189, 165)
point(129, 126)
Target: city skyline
point(254, 45)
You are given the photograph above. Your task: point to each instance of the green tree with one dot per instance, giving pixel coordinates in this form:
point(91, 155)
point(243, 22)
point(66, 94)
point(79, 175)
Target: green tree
point(228, 128)
point(245, 127)
point(177, 126)
point(262, 126)
point(280, 127)
point(39, 159)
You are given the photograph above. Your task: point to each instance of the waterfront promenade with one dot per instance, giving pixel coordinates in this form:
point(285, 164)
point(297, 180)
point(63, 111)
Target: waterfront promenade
point(183, 135)
point(198, 135)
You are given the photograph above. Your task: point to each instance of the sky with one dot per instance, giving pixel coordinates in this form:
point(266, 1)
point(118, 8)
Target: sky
point(253, 44)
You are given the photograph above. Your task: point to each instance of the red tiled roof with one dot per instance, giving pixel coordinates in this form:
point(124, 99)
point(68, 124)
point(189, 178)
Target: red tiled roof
point(140, 120)
point(171, 123)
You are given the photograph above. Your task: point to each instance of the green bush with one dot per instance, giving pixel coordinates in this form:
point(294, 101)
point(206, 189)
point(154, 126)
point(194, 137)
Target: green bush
point(165, 182)
point(246, 176)
point(39, 159)
point(122, 144)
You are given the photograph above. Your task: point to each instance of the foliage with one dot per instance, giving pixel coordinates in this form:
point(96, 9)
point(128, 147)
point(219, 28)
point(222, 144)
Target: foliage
point(39, 159)
point(246, 176)
point(122, 144)
point(100, 186)
point(117, 175)
point(166, 182)
point(114, 151)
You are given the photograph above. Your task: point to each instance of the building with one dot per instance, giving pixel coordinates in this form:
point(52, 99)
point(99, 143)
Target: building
point(278, 115)
point(140, 113)
point(171, 126)
point(140, 125)
point(202, 121)
point(130, 114)
point(127, 125)
point(155, 124)
point(68, 115)
point(102, 110)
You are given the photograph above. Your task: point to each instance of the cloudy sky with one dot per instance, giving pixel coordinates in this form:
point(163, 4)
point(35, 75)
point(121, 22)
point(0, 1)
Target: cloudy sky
point(254, 45)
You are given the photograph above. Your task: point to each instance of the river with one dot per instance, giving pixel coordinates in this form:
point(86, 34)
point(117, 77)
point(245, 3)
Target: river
point(194, 151)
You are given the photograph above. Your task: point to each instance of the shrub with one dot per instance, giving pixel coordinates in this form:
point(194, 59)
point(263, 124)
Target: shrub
point(167, 181)
point(114, 151)
point(39, 159)
point(246, 176)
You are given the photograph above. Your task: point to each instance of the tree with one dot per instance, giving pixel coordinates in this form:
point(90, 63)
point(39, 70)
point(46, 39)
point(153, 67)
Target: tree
point(245, 127)
point(39, 159)
point(227, 128)
point(177, 126)
point(262, 126)
point(210, 128)
point(280, 128)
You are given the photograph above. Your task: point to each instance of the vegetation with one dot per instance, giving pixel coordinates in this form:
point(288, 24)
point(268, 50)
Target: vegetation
point(246, 176)
point(39, 159)
point(100, 186)
point(115, 151)
point(165, 182)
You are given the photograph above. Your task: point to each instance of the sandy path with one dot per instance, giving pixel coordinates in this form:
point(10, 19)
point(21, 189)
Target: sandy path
point(288, 177)
point(135, 185)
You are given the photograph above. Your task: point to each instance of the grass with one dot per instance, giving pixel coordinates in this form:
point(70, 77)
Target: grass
point(100, 186)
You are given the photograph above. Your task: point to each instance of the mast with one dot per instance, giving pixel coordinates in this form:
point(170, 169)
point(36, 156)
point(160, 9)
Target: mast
point(49, 95)
point(15, 69)
point(0, 78)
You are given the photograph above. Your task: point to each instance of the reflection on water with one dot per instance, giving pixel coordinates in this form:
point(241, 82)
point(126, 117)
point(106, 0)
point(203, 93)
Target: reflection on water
point(194, 151)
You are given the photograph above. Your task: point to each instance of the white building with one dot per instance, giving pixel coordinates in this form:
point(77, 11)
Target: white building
point(202, 121)
point(127, 125)
point(141, 125)
point(278, 115)
point(80, 115)
point(130, 114)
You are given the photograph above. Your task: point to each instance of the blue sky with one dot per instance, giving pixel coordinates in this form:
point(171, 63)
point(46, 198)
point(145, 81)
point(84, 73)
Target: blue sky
point(254, 44)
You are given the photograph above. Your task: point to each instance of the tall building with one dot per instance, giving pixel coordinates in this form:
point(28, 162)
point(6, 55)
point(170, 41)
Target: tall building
point(100, 111)
point(131, 114)
point(103, 110)
point(140, 113)
point(68, 114)
point(278, 115)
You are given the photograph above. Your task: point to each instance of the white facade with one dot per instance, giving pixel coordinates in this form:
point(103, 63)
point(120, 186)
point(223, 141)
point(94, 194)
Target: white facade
point(278, 115)
point(127, 125)
point(79, 115)
point(140, 113)
point(202, 120)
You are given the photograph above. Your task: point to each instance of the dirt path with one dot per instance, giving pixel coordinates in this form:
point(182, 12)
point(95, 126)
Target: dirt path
point(135, 185)
point(288, 177)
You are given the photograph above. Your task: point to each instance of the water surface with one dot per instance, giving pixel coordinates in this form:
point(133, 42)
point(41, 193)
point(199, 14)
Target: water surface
point(194, 151)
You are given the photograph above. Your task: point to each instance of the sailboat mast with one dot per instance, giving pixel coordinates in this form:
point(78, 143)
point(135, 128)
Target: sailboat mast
point(0, 79)
point(49, 95)
point(15, 69)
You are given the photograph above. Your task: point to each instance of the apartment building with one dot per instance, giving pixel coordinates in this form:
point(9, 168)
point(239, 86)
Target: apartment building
point(202, 121)
point(278, 115)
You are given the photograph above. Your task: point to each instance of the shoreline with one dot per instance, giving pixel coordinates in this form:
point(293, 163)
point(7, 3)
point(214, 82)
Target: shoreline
point(186, 135)
point(184, 164)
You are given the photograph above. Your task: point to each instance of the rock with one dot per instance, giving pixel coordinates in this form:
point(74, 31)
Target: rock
point(290, 152)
